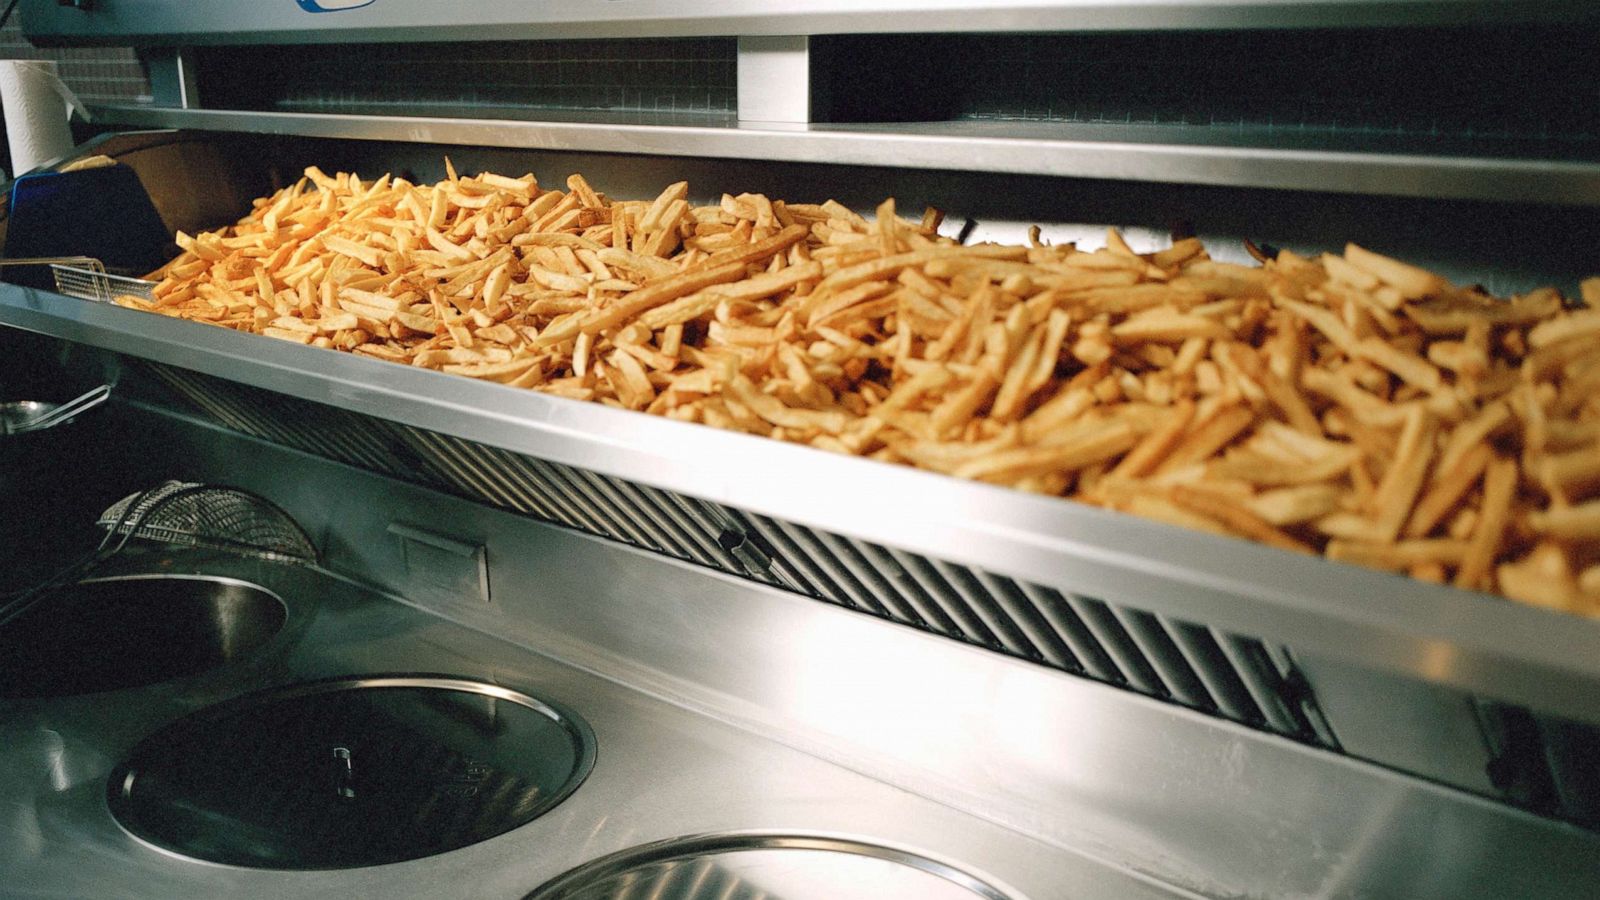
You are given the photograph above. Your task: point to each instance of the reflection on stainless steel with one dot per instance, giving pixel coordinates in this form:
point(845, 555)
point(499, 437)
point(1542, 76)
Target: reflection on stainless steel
point(766, 867)
point(662, 770)
point(1048, 787)
point(115, 633)
point(444, 763)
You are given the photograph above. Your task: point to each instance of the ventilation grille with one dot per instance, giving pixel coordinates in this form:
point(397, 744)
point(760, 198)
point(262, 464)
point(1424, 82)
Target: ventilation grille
point(1238, 678)
point(679, 76)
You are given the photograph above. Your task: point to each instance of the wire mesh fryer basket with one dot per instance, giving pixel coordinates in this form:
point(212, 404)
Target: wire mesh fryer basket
point(211, 517)
point(92, 282)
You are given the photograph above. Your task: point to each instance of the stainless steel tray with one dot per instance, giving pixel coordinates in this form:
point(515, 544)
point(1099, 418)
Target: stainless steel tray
point(1437, 634)
point(1471, 642)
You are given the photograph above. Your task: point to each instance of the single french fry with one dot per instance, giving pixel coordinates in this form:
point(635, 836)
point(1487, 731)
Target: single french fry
point(1543, 578)
point(1237, 518)
point(1412, 282)
point(1208, 437)
point(1584, 324)
point(1397, 493)
point(1499, 488)
point(1167, 326)
point(1450, 485)
point(1398, 556)
point(1575, 523)
point(1097, 443)
point(1153, 449)
point(1294, 505)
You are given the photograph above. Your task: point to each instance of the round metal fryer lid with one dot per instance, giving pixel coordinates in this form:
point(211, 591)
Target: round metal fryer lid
point(350, 772)
point(765, 867)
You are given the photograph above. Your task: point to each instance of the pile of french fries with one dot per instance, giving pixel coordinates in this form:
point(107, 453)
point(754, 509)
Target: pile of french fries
point(1350, 405)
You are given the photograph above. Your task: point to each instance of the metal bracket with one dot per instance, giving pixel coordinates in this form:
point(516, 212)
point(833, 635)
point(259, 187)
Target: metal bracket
point(442, 568)
point(172, 78)
point(775, 79)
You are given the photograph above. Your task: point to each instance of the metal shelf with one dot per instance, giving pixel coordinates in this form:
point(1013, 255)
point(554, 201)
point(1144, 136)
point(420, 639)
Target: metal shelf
point(1212, 155)
point(158, 23)
point(1437, 634)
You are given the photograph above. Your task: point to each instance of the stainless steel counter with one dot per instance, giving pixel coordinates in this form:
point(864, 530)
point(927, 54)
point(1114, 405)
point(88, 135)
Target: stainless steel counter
point(662, 772)
point(726, 704)
point(721, 705)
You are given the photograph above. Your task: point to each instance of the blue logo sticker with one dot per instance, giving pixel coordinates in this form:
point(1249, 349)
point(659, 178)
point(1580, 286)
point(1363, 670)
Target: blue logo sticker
point(332, 5)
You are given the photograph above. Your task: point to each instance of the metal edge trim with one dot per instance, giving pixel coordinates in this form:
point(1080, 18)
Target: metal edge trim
point(1561, 183)
point(180, 576)
point(145, 26)
point(732, 842)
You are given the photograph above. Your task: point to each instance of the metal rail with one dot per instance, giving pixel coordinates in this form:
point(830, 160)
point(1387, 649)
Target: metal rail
point(1199, 155)
point(153, 22)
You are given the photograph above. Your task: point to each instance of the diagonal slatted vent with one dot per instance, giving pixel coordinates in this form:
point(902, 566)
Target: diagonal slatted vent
point(1228, 675)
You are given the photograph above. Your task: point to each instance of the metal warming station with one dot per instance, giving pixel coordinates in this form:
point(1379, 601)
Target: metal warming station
point(622, 656)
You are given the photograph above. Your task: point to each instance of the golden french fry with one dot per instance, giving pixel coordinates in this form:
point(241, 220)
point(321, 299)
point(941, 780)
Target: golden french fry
point(1167, 326)
point(1294, 505)
point(1154, 448)
point(1412, 282)
point(1449, 486)
point(1397, 493)
point(1580, 523)
point(1499, 489)
point(1236, 517)
point(1090, 444)
point(1397, 556)
point(1208, 437)
point(1543, 578)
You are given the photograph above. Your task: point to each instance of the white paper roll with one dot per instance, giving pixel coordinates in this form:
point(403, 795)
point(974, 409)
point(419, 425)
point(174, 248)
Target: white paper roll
point(35, 113)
